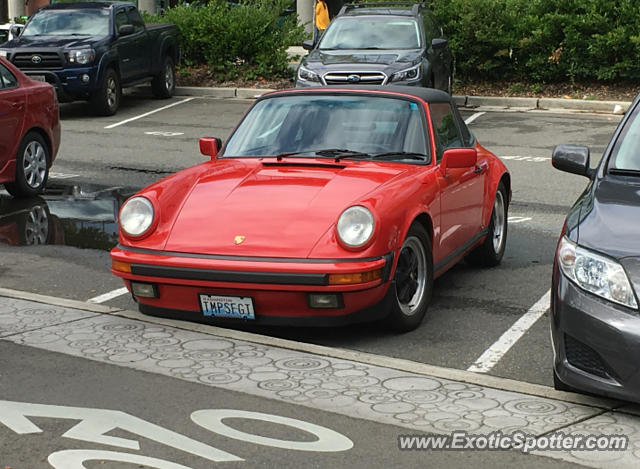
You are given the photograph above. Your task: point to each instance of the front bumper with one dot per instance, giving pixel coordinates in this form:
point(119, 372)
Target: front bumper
point(69, 83)
point(596, 343)
point(279, 288)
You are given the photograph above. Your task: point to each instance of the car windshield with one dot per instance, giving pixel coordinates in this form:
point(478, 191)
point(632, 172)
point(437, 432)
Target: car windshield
point(625, 153)
point(91, 22)
point(315, 125)
point(371, 33)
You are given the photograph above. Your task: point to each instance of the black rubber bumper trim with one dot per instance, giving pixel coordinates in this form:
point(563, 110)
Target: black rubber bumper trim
point(230, 275)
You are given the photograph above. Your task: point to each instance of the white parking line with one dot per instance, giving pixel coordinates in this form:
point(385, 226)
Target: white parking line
point(148, 113)
point(108, 296)
point(470, 119)
point(494, 353)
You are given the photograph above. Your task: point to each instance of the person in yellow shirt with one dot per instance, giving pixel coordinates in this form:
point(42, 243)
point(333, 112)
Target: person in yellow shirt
point(321, 18)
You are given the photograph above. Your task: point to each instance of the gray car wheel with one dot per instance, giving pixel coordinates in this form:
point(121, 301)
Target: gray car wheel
point(32, 167)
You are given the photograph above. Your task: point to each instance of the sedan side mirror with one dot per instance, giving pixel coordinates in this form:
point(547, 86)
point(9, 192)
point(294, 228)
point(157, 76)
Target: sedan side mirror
point(458, 158)
point(126, 30)
point(308, 44)
point(573, 159)
point(210, 146)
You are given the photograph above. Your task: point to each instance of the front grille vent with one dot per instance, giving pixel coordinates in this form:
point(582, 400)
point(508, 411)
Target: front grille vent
point(37, 60)
point(584, 357)
point(355, 78)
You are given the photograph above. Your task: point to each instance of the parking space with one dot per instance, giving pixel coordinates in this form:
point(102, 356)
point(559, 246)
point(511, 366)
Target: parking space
point(471, 309)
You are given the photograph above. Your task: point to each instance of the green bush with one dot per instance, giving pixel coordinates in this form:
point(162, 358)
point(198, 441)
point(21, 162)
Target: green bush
point(543, 40)
point(248, 39)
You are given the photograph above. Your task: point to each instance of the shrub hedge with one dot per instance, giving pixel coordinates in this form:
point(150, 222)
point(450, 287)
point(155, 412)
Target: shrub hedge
point(517, 40)
point(247, 39)
point(543, 40)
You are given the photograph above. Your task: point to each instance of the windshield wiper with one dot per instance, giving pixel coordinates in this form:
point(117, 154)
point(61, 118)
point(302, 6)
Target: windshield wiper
point(336, 153)
point(402, 155)
point(625, 172)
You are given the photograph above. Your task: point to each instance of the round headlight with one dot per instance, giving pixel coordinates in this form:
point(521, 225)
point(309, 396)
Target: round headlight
point(136, 216)
point(355, 226)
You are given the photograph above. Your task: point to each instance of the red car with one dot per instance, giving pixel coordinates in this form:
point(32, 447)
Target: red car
point(29, 131)
point(325, 206)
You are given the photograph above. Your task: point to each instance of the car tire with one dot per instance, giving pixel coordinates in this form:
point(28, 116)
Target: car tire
point(164, 83)
point(106, 100)
point(491, 251)
point(32, 167)
point(412, 282)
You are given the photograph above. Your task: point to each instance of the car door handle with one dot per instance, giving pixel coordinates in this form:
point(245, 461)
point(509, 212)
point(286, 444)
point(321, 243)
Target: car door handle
point(18, 106)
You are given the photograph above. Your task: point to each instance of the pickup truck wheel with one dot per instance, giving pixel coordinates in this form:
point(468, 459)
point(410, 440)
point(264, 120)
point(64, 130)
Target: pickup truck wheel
point(164, 83)
point(32, 167)
point(106, 100)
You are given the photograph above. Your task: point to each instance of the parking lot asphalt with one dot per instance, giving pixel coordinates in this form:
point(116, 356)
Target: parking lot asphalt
point(471, 318)
point(103, 160)
point(125, 388)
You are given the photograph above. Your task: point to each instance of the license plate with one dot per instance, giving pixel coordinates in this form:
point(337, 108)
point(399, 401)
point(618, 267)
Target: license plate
point(38, 77)
point(239, 307)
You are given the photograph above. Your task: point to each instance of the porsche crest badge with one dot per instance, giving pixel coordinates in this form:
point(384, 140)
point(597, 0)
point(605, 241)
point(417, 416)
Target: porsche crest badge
point(238, 239)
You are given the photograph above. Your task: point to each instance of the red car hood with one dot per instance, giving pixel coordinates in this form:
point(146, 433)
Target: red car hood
point(271, 209)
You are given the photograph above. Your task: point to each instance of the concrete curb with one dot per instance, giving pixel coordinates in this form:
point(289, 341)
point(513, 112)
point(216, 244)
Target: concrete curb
point(471, 102)
point(480, 379)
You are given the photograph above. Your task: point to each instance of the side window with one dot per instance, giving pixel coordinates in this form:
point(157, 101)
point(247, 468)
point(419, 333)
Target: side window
point(136, 19)
point(445, 128)
point(467, 137)
point(121, 18)
point(7, 80)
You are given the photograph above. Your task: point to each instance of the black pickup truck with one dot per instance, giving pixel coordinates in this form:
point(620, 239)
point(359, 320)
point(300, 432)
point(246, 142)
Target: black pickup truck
point(92, 50)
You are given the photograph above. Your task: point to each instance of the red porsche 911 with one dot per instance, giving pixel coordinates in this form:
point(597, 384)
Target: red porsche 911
point(29, 131)
point(325, 206)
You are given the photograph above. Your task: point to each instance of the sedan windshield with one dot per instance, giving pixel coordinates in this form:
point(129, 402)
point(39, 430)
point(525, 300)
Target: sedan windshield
point(68, 23)
point(625, 153)
point(332, 126)
point(371, 33)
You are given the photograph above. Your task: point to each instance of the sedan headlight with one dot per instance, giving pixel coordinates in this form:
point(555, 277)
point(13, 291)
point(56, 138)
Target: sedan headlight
point(595, 273)
point(81, 56)
point(355, 226)
point(4, 53)
point(136, 216)
point(307, 75)
point(408, 74)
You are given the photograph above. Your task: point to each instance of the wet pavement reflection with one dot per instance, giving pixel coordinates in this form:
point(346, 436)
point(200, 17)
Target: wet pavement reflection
point(73, 215)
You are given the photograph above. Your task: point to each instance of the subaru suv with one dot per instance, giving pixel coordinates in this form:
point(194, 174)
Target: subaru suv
point(379, 44)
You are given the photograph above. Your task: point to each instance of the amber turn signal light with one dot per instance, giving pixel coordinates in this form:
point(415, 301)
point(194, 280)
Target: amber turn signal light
point(121, 266)
point(359, 277)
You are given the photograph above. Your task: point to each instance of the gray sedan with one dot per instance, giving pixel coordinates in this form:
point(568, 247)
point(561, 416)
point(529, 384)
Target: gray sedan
point(595, 320)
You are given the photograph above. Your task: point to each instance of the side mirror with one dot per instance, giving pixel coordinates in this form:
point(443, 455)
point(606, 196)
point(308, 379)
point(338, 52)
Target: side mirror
point(572, 159)
point(439, 43)
point(15, 30)
point(210, 146)
point(308, 44)
point(126, 30)
point(458, 158)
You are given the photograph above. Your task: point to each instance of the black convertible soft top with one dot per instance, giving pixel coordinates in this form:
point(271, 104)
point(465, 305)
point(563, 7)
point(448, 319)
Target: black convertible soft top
point(426, 94)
